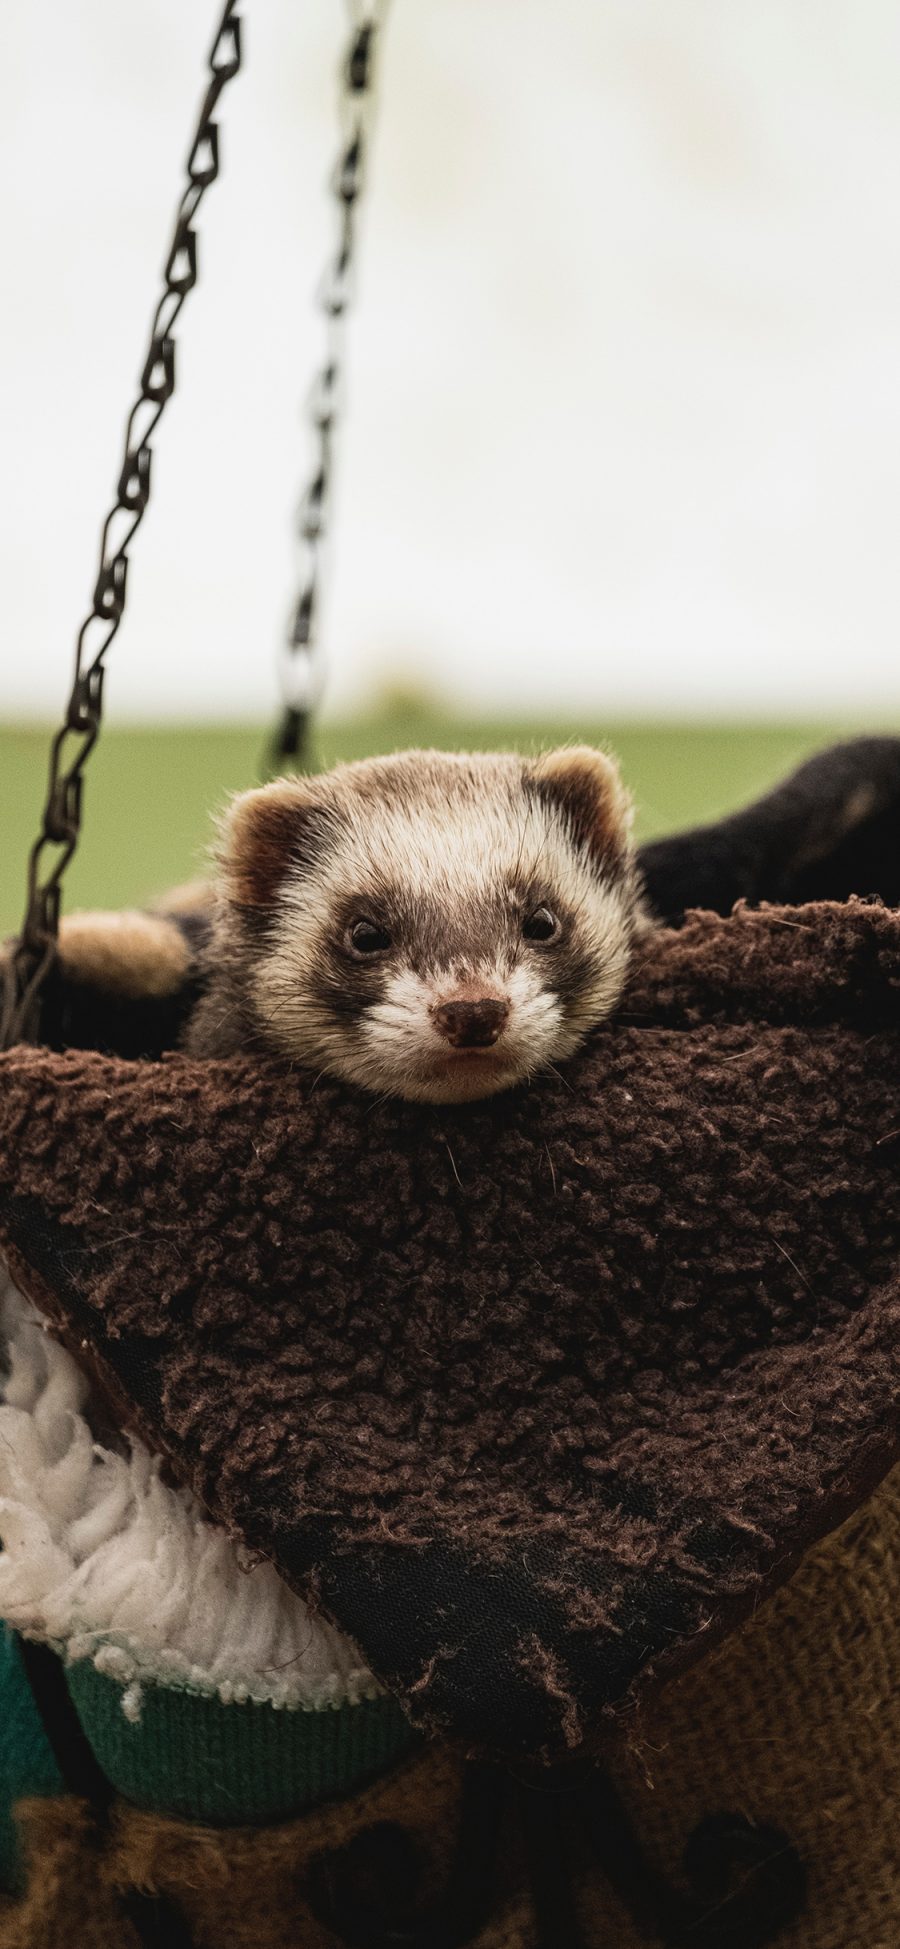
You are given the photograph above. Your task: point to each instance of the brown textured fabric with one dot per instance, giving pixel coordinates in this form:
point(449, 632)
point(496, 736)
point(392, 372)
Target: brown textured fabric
point(793, 1726)
point(237, 1888)
point(534, 1397)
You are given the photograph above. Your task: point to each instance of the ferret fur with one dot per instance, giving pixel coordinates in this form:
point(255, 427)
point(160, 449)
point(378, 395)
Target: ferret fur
point(448, 854)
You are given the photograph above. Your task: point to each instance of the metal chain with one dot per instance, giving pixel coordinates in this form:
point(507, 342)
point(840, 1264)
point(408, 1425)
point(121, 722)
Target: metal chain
point(34, 953)
point(298, 662)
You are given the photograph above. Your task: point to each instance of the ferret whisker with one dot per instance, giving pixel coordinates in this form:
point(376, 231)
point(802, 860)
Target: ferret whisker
point(378, 1101)
point(560, 1077)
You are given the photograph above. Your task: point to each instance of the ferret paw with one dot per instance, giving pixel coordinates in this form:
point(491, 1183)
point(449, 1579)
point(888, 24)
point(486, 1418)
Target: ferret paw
point(126, 953)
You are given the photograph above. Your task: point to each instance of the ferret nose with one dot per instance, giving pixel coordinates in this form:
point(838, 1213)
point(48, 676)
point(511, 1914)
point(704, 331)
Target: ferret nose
point(471, 1025)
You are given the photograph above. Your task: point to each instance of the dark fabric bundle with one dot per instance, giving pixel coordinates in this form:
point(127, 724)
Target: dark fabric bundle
point(827, 832)
point(534, 1397)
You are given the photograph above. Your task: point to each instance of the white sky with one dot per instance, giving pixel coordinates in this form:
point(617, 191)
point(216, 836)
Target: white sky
point(624, 427)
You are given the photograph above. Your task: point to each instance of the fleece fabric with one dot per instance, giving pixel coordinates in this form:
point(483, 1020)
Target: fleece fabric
point(757, 1809)
point(533, 1398)
point(104, 1558)
point(752, 1807)
point(204, 1686)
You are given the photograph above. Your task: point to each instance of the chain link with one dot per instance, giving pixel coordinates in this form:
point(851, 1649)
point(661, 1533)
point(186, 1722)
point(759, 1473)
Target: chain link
point(32, 957)
point(298, 673)
point(29, 964)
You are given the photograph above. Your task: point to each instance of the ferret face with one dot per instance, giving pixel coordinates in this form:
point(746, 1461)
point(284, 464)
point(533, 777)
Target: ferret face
point(429, 925)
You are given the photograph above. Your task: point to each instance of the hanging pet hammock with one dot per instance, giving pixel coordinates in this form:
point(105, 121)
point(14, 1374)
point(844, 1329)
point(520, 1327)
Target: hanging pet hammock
point(534, 1399)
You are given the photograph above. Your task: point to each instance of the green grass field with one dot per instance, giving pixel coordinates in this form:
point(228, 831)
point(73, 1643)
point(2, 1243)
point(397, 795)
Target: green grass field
point(150, 791)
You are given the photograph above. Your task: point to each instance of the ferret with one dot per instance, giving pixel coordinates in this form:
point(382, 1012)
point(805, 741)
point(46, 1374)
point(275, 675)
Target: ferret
point(430, 925)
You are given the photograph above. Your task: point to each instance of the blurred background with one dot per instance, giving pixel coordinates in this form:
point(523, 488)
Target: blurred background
point(621, 458)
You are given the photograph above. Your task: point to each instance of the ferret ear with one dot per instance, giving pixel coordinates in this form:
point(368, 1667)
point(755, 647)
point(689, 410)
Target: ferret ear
point(586, 786)
point(263, 834)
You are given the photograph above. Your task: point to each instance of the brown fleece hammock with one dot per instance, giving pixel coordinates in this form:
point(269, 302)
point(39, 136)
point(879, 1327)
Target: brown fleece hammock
point(537, 1397)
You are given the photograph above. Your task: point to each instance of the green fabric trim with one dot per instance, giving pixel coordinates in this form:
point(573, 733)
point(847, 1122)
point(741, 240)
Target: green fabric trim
point(188, 1754)
point(26, 1763)
point(233, 1764)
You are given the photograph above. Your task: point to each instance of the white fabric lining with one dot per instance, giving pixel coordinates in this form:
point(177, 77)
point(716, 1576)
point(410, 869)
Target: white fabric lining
point(104, 1560)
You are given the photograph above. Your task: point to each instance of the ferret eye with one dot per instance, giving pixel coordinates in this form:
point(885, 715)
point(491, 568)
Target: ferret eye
point(366, 937)
point(542, 925)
